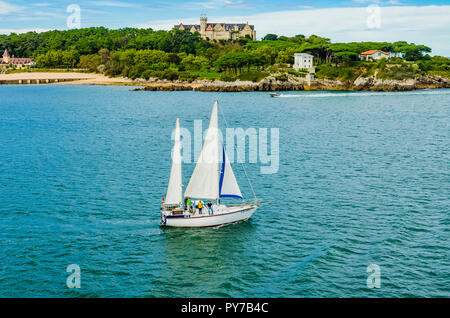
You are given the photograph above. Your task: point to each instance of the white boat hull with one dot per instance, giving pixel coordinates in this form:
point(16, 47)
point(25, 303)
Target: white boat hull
point(223, 215)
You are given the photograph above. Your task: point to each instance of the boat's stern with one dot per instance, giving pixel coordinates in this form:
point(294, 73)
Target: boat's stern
point(163, 220)
point(170, 213)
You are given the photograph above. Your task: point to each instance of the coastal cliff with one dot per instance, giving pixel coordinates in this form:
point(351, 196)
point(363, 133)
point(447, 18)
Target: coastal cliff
point(297, 84)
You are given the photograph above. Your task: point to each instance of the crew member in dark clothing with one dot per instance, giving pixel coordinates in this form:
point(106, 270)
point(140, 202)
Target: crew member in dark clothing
point(210, 210)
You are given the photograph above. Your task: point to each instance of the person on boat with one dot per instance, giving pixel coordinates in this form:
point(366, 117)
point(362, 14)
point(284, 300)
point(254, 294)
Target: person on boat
point(185, 203)
point(162, 202)
point(200, 206)
point(210, 210)
point(190, 205)
point(188, 202)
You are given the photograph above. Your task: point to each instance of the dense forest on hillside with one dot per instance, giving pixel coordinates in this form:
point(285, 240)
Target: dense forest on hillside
point(175, 54)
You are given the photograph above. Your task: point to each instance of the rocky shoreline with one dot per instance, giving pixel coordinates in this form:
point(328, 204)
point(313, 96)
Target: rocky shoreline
point(297, 84)
point(270, 83)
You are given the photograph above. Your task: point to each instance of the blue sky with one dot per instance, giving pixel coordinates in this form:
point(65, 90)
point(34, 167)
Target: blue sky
point(424, 22)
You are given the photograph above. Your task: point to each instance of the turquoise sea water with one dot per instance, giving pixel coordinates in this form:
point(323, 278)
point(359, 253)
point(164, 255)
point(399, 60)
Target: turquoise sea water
point(363, 179)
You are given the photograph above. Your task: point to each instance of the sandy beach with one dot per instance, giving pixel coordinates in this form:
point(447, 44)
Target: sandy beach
point(64, 78)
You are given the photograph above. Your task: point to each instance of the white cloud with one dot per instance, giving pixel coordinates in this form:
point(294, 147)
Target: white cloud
point(8, 31)
point(218, 4)
point(377, 1)
point(38, 15)
point(117, 4)
point(42, 4)
point(427, 25)
point(7, 8)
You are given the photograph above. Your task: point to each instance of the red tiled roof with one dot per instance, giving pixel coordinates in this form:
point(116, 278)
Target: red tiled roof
point(20, 60)
point(17, 61)
point(370, 52)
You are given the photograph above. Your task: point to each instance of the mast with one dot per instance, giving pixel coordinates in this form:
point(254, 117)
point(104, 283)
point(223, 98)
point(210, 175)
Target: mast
point(216, 103)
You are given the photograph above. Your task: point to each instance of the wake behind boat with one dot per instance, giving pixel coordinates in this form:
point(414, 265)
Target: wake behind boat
point(207, 183)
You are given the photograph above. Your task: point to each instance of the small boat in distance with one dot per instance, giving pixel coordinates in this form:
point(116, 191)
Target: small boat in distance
point(276, 94)
point(207, 183)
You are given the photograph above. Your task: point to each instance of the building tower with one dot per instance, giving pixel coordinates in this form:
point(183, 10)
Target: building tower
point(203, 21)
point(6, 56)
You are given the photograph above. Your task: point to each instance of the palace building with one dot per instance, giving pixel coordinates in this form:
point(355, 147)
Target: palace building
point(219, 31)
point(7, 61)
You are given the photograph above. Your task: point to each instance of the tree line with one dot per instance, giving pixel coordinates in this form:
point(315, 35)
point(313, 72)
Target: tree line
point(145, 53)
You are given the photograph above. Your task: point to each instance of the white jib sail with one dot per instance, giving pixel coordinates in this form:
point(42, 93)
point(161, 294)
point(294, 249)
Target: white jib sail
point(228, 183)
point(174, 190)
point(204, 182)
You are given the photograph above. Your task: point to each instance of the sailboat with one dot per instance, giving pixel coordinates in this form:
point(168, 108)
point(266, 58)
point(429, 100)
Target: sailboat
point(209, 182)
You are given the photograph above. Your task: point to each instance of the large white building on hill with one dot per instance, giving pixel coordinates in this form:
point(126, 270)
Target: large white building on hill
point(219, 31)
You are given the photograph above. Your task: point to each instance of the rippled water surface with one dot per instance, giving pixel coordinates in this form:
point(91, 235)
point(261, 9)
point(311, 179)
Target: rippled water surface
point(363, 179)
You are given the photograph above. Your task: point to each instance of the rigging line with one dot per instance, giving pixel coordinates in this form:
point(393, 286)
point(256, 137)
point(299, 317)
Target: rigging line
point(242, 164)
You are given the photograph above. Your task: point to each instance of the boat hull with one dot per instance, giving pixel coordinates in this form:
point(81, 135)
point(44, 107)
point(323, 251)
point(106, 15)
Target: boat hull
point(231, 215)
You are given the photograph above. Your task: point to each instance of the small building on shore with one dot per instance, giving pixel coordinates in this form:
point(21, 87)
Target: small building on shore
point(219, 31)
point(19, 63)
point(373, 55)
point(304, 61)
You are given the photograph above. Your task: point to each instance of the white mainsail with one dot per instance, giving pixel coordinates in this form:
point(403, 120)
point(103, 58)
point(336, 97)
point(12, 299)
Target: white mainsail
point(204, 182)
point(228, 183)
point(174, 190)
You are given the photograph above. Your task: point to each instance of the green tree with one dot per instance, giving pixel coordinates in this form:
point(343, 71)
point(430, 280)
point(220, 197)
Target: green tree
point(236, 61)
point(173, 58)
point(90, 62)
point(191, 62)
point(270, 37)
point(299, 38)
point(70, 58)
point(346, 56)
point(267, 54)
point(286, 56)
point(415, 52)
point(105, 55)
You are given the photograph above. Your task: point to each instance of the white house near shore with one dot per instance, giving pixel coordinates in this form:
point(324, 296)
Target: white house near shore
point(304, 61)
point(373, 55)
